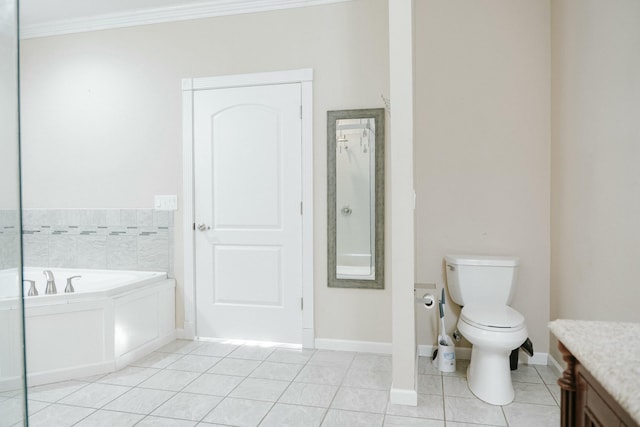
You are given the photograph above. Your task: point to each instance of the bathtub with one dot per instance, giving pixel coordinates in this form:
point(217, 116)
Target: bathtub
point(112, 319)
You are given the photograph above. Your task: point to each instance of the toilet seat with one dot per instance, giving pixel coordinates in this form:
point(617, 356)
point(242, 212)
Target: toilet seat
point(490, 317)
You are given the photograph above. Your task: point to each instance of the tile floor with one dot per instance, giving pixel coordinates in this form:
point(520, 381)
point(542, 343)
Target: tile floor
point(190, 383)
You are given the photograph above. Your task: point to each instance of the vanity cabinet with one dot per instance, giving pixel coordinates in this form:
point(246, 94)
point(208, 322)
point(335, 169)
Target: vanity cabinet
point(584, 402)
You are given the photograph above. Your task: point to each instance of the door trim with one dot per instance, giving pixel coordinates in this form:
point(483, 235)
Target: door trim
point(189, 85)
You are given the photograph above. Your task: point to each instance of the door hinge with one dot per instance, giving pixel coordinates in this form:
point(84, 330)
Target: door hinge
point(300, 208)
point(301, 303)
point(194, 226)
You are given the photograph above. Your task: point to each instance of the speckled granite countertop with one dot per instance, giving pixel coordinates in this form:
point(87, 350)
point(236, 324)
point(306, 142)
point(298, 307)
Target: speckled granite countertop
point(611, 352)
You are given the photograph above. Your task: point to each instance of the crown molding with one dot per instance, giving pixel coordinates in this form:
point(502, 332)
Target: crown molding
point(207, 9)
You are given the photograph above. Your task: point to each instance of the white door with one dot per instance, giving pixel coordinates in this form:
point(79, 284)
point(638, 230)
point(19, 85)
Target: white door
point(248, 189)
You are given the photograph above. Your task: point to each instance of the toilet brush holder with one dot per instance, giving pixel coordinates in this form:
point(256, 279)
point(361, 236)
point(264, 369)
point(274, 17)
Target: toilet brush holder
point(445, 359)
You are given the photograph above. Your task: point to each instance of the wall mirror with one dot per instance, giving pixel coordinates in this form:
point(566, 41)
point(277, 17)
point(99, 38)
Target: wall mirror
point(356, 198)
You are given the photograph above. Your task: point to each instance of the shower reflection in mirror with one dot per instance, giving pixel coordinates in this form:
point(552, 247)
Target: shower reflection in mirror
point(356, 198)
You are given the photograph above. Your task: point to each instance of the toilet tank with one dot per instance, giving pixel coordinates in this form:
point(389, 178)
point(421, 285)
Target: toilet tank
point(481, 279)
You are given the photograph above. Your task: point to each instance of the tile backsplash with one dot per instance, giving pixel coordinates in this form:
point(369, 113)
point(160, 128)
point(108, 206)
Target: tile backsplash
point(9, 237)
point(112, 239)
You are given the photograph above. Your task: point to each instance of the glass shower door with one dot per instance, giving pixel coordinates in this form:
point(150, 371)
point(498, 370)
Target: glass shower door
point(13, 405)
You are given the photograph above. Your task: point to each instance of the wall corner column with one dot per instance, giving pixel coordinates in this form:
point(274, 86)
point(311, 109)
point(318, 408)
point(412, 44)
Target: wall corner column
point(400, 275)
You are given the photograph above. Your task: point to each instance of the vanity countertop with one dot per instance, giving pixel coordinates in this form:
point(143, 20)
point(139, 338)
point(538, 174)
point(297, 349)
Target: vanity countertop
point(610, 351)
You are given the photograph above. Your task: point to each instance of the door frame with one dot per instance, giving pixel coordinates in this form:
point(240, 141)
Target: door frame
point(189, 86)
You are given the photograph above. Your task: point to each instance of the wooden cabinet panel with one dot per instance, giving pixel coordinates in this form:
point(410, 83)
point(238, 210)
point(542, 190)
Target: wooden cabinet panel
point(585, 403)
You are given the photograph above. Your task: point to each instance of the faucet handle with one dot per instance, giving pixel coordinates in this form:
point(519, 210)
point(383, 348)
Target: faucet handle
point(69, 287)
point(33, 292)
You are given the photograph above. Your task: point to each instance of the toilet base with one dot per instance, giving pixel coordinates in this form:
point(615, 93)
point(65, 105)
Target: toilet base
point(489, 375)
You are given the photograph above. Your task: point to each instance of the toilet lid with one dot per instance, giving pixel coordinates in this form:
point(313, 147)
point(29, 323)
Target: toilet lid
point(492, 316)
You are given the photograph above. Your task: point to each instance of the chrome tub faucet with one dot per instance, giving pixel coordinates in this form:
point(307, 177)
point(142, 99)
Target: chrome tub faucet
point(51, 283)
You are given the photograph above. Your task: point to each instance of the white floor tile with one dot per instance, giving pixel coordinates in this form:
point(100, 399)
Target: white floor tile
point(361, 378)
point(216, 349)
point(276, 371)
point(429, 406)
point(188, 406)
point(194, 363)
point(11, 393)
point(456, 386)
point(319, 374)
point(59, 415)
point(140, 401)
point(526, 414)
point(396, 421)
point(130, 376)
point(35, 406)
point(425, 366)
point(548, 374)
point(283, 415)
point(309, 394)
point(332, 358)
point(152, 421)
point(251, 352)
point(353, 386)
point(555, 391)
point(238, 412)
point(235, 367)
point(533, 393)
point(55, 391)
point(94, 395)
point(461, 369)
point(430, 384)
point(372, 362)
point(260, 389)
point(473, 410)
point(102, 418)
point(526, 374)
point(170, 380)
point(12, 411)
point(456, 424)
point(339, 418)
point(91, 378)
point(290, 356)
point(214, 384)
point(157, 360)
point(361, 399)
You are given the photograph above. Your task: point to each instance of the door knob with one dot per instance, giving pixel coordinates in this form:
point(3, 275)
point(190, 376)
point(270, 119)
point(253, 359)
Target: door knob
point(203, 227)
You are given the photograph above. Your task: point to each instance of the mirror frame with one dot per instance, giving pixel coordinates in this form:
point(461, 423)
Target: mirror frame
point(378, 114)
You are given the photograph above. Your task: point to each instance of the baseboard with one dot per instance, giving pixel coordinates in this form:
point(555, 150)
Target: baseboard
point(74, 372)
point(13, 384)
point(538, 359)
point(558, 367)
point(188, 331)
point(349, 345)
point(464, 353)
point(400, 396)
point(426, 350)
point(131, 356)
point(308, 340)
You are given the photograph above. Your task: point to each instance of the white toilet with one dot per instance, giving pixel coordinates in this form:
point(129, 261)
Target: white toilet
point(484, 286)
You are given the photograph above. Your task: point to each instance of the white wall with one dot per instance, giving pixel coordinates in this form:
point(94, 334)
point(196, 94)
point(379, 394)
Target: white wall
point(596, 149)
point(8, 109)
point(102, 116)
point(482, 154)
